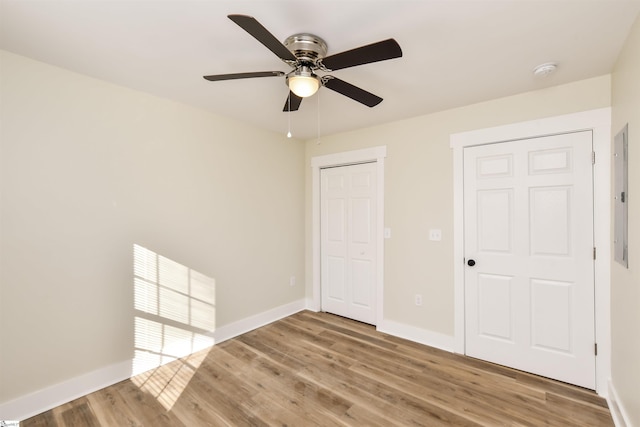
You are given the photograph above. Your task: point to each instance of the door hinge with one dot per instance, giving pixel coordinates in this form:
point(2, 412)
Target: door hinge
point(595, 349)
point(594, 253)
point(593, 157)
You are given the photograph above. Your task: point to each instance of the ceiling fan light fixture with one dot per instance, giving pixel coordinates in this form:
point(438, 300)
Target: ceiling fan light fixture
point(303, 82)
point(306, 53)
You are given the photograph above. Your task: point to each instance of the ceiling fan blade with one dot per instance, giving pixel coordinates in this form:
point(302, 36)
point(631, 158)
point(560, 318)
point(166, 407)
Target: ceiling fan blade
point(234, 76)
point(380, 51)
point(260, 33)
point(292, 103)
point(353, 92)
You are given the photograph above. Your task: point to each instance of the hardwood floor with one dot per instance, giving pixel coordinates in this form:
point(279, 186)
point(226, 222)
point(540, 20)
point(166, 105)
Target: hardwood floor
point(321, 369)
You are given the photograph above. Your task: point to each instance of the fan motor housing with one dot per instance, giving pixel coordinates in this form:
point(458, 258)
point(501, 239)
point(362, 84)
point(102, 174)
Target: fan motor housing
point(308, 48)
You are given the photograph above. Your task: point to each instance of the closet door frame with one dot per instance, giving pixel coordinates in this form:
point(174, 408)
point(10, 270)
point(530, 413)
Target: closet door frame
point(599, 122)
point(367, 155)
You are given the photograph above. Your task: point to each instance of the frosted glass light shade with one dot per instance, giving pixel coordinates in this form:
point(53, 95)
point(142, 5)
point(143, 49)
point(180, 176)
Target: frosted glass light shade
point(303, 86)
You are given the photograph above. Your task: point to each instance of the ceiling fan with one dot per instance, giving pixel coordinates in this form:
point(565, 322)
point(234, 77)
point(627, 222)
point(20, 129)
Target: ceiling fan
point(306, 54)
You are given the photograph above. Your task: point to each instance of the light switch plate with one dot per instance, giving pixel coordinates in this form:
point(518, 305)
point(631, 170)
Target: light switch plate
point(435, 234)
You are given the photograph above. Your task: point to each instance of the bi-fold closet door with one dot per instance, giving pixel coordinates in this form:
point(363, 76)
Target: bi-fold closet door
point(348, 241)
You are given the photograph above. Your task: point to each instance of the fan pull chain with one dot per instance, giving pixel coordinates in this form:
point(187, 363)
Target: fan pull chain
point(289, 116)
point(318, 136)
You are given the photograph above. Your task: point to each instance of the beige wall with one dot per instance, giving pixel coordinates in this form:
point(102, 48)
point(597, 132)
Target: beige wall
point(625, 283)
point(418, 192)
point(88, 169)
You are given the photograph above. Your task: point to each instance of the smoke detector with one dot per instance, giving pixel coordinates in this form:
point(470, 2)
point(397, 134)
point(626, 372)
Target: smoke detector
point(543, 70)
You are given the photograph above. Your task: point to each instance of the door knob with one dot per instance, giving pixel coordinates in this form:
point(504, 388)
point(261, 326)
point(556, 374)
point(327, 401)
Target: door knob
point(471, 263)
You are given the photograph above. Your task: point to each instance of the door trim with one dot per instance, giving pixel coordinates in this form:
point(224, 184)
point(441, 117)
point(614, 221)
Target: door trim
point(599, 122)
point(373, 154)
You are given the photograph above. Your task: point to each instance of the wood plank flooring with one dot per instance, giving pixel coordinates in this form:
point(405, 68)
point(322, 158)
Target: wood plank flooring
point(320, 369)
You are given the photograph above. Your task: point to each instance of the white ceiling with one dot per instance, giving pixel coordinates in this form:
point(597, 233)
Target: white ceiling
point(455, 52)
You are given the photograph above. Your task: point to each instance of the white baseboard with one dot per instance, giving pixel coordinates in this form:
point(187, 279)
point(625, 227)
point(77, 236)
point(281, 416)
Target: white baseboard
point(618, 413)
point(42, 400)
point(66, 391)
point(419, 335)
point(240, 327)
point(311, 305)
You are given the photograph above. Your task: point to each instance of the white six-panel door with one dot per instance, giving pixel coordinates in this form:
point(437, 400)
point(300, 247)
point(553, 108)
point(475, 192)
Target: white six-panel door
point(348, 241)
point(529, 295)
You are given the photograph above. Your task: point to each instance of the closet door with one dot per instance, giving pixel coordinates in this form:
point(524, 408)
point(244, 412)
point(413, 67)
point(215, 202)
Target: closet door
point(529, 278)
point(348, 241)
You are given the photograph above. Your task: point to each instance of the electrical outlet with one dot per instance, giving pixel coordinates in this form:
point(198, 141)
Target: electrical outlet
point(418, 299)
point(435, 235)
point(292, 281)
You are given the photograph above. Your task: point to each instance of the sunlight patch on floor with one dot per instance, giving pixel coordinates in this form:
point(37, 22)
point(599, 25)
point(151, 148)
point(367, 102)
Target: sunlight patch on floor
point(167, 383)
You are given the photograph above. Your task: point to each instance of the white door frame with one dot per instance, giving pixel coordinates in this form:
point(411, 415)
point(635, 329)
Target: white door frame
point(599, 122)
point(374, 154)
